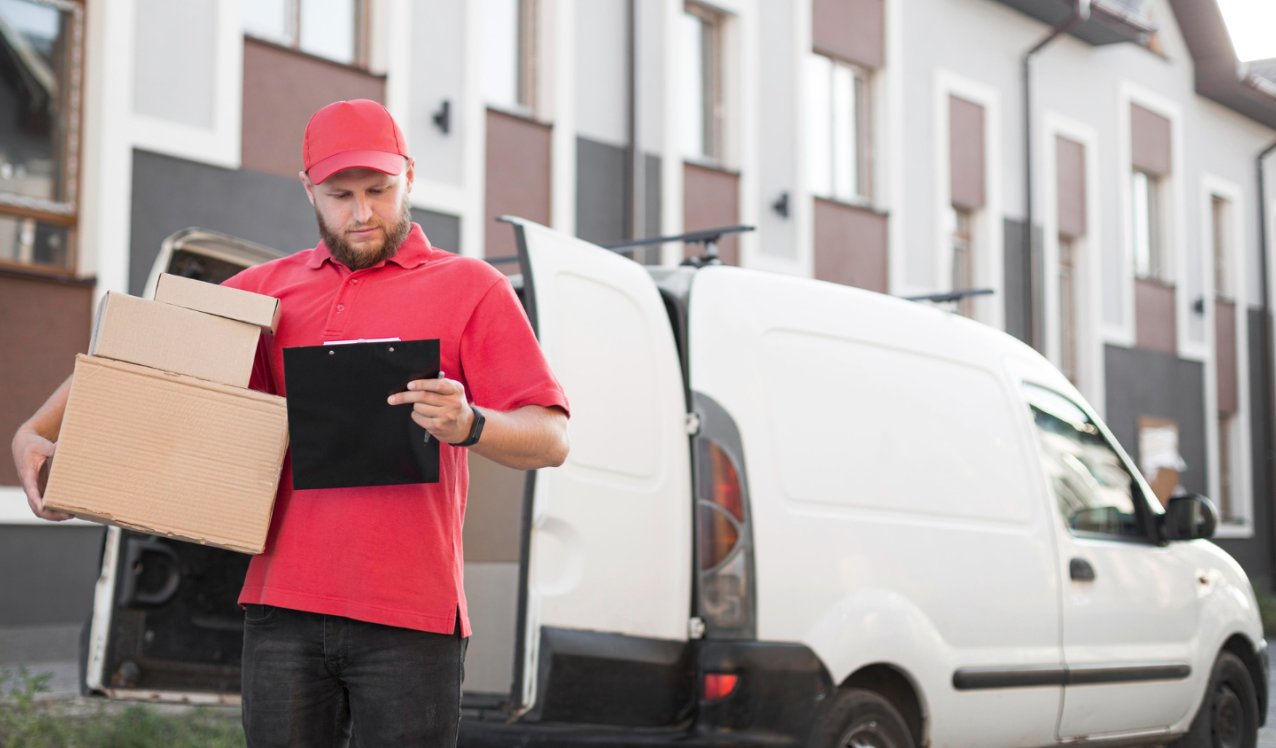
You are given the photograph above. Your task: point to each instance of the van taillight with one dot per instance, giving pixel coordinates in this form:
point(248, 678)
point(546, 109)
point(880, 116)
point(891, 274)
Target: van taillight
point(722, 513)
point(719, 685)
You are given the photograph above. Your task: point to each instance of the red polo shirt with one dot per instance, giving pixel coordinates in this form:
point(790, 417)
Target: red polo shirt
point(389, 554)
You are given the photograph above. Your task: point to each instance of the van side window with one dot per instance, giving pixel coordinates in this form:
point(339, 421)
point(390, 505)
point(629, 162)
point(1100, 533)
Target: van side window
point(1094, 491)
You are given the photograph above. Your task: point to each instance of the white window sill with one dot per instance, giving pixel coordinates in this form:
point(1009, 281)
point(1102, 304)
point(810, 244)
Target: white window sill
point(14, 511)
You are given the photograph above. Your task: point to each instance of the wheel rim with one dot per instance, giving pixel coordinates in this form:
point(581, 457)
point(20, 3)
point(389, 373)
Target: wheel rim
point(1227, 722)
point(866, 735)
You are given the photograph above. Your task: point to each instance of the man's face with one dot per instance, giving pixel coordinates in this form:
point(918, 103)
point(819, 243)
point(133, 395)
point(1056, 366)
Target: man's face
point(363, 214)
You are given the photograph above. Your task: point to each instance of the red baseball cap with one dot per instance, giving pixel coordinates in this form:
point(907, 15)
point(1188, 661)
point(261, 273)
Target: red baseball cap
point(352, 134)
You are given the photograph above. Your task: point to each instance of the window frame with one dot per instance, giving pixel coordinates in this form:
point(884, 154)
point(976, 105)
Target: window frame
point(1146, 510)
point(65, 213)
point(1222, 244)
point(362, 28)
point(526, 58)
point(861, 150)
point(713, 100)
point(1153, 217)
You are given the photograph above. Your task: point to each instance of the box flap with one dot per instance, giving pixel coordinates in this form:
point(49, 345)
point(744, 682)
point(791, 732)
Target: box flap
point(231, 303)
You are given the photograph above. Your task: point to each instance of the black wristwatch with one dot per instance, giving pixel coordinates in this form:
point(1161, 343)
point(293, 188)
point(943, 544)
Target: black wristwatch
point(476, 430)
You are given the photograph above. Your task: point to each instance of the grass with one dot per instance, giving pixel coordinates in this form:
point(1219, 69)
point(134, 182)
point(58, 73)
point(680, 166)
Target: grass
point(1267, 611)
point(29, 721)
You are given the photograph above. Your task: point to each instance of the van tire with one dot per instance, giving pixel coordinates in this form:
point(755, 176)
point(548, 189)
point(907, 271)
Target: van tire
point(859, 718)
point(1228, 717)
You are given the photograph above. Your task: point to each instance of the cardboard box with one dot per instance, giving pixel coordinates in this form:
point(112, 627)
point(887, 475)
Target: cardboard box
point(169, 454)
point(170, 338)
point(231, 303)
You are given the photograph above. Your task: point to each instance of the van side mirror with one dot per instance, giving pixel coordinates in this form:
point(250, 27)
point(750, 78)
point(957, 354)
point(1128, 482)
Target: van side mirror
point(1188, 517)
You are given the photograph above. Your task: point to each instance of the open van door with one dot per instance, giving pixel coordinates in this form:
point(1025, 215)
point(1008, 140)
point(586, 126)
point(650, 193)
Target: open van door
point(166, 625)
point(607, 536)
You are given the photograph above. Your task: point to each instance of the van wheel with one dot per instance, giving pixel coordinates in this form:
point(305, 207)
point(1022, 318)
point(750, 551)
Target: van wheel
point(861, 719)
point(1228, 717)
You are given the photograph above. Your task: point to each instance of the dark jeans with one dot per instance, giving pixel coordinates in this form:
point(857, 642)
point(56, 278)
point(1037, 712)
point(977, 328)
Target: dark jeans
point(308, 677)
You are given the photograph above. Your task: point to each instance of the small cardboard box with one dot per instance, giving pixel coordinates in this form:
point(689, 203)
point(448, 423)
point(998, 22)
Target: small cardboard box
point(169, 454)
point(231, 303)
point(170, 338)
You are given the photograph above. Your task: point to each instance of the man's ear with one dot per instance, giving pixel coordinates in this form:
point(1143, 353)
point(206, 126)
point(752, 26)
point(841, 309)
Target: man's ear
point(310, 188)
point(410, 173)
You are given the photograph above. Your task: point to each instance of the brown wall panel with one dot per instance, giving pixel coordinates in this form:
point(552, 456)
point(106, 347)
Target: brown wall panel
point(1149, 141)
point(519, 168)
point(711, 199)
point(966, 153)
point(43, 324)
point(282, 88)
point(851, 245)
point(1070, 170)
point(1155, 327)
point(1225, 355)
point(851, 30)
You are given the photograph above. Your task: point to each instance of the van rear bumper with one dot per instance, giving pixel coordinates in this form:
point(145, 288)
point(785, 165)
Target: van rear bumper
point(779, 689)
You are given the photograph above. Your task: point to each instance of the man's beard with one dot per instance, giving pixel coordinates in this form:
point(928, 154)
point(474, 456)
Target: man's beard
point(347, 255)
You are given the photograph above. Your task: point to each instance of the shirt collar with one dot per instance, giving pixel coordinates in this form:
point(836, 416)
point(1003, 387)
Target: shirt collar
point(414, 251)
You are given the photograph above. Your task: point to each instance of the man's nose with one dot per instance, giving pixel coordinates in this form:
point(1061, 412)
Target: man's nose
point(362, 209)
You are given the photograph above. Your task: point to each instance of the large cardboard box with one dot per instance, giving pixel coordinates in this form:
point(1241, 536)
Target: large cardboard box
point(169, 454)
point(231, 303)
point(174, 339)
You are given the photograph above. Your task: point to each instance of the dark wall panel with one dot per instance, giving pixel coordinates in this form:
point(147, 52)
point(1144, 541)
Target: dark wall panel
point(1070, 172)
point(1014, 267)
point(444, 230)
point(1158, 385)
point(1149, 141)
point(44, 322)
point(519, 166)
point(851, 246)
point(50, 573)
point(1155, 324)
point(171, 194)
point(711, 199)
point(966, 148)
point(1255, 554)
point(853, 30)
point(600, 191)
point(282, 88)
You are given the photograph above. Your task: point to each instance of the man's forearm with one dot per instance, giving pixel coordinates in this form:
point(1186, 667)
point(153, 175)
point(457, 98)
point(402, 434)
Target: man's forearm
point(47, 421)
point(525, 439)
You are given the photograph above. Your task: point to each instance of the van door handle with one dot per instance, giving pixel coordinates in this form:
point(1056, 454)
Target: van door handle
point(1080, 570)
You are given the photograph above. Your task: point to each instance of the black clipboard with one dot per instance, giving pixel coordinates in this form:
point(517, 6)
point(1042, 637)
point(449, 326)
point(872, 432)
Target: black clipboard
point(342, 432)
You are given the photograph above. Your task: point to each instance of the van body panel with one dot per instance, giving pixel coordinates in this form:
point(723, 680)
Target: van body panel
point(836, 394)
point(610, 535)
point(1156, 613)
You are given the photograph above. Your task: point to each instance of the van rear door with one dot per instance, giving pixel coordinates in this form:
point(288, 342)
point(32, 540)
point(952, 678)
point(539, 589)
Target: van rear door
point(165, 623)
point(608, 534)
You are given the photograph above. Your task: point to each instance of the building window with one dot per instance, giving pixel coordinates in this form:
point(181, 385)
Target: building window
point(333, 29)
point(838, 145)
point(1151, 259)
point(41, 49)
point(509, 54)
point(1068, 308)
point(1224, 500)
point(963, 247)
point(1220, 217)
point(700, 33)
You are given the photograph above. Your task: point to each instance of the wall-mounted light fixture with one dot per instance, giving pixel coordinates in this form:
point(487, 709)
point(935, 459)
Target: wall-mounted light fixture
point(443, 117)
point(781, 204)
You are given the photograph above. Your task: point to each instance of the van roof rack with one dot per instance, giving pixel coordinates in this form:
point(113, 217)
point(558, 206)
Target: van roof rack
point(708, 237)
point(950, 296)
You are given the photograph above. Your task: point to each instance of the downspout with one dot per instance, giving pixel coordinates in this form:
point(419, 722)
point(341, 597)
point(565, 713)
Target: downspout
point(1080, 12)
point(1269, 406)
point(632, 165)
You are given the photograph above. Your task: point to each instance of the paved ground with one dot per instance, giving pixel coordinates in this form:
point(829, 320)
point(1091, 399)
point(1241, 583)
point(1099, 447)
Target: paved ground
point(64, 685)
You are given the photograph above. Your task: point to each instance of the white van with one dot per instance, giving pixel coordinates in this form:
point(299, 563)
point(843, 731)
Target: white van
point(794, 513)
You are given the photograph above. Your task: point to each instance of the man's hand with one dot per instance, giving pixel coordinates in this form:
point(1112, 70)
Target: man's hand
point(438, 406)
point(31, 455)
